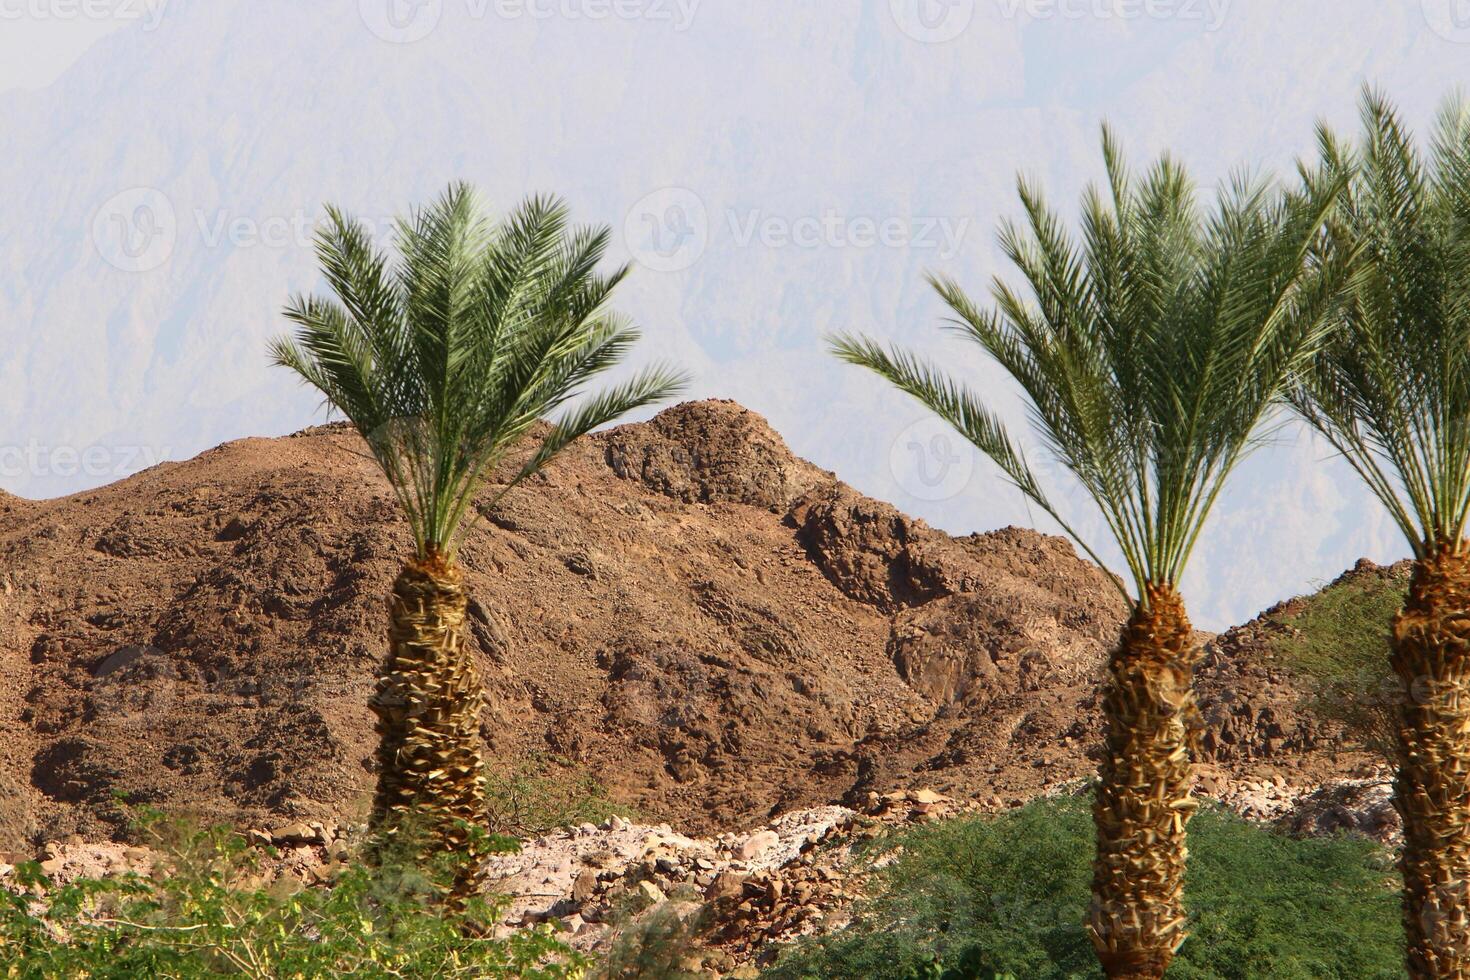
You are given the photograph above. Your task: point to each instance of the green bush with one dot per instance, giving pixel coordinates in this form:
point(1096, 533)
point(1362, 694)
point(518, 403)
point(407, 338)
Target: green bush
point(207, 912)
point(1337, 640)
point(540, 794)
point(1005, 896)
point(663, 945)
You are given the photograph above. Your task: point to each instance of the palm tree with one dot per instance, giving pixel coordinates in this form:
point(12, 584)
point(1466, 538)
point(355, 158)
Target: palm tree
point(1391, 393)
point(1149, 354)
point(445, 361)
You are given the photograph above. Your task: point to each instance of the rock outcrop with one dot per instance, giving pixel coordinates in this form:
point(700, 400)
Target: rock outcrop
point(714, 629)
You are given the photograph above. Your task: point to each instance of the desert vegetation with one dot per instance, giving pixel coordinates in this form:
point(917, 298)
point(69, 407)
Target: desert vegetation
point(1007, 897)
point(1151, 353)
point(1155, 347)
point(206, 909)
point(444, 363)
point(1337, 641)
point(1391, 392)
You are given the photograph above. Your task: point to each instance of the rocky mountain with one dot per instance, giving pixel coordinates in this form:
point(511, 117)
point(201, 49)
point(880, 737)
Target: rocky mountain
point(713, 628)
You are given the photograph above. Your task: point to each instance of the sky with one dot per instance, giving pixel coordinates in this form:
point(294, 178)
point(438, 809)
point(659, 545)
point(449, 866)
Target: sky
point(773, 169)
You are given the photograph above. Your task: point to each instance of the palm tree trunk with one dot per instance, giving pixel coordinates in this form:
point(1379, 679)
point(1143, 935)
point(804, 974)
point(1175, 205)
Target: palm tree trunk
point(1431, 656)
point(431, 779)
point(1143, 802)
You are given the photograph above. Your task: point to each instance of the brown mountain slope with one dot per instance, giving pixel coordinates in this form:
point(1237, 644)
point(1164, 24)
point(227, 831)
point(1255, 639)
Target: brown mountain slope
point(1317, 669)
point(712, 627)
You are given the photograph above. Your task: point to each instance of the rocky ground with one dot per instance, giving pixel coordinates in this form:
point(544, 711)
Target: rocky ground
point(738, 895)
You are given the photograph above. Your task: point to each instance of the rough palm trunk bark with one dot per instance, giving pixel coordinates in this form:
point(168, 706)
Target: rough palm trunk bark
point(1431, 656)
point(431, 777)
point(1143, 802)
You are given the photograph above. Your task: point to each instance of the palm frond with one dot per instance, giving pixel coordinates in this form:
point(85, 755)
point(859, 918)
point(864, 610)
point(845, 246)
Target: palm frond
point(447, 357)
point(1151, 349)
point(1391, 391)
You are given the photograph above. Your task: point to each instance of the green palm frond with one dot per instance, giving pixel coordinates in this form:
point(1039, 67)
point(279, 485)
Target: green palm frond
point(446, 358)
point(1150, 348)
point(1391, 392)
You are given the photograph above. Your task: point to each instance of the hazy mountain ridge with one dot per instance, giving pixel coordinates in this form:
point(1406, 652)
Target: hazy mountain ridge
point(236, 154)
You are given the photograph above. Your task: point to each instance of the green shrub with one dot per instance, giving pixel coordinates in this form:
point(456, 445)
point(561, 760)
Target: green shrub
point(1006, 896)
point(1337, 640)
point(541, 794)
point(663, 945)
point(206, 912)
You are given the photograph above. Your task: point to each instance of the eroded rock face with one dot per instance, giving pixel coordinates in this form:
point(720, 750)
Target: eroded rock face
point(1253, 710)
point(710, 452)
point(872, 552)
point(1258, 711)
point(714, 629)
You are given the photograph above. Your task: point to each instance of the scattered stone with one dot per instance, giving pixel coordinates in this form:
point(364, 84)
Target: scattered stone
point(792, 878)
point(727, 885)
point(1362, 806)
point(756, 845)
point(295, 835)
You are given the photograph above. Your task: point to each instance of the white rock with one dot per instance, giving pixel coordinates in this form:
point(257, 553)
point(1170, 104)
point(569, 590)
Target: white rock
point(756, 844)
